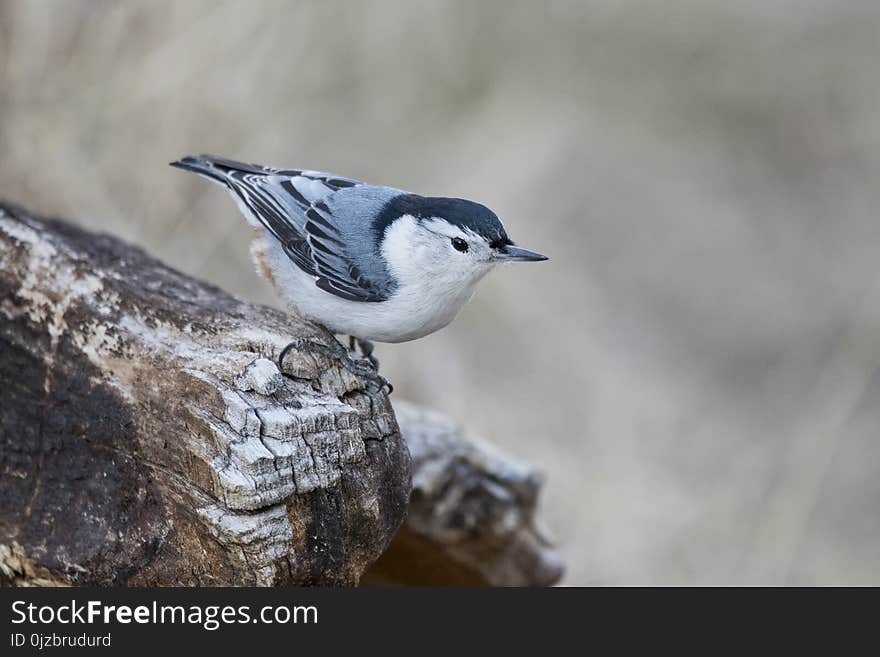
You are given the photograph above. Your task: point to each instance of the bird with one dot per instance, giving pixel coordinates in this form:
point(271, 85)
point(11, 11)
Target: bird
point(376, 263)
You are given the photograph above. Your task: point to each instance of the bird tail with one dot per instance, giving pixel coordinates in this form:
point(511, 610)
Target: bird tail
point(215, 168)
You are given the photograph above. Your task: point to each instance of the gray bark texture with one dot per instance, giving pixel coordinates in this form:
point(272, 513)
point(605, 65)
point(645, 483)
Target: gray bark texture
point(147, 437)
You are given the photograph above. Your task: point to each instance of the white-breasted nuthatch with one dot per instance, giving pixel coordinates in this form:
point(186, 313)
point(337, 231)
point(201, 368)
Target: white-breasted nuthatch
point(371, 262)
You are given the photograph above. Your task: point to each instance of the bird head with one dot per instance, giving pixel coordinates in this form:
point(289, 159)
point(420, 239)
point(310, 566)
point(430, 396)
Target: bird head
point(452, 240)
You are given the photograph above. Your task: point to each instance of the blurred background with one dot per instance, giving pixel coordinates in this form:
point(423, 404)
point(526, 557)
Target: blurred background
point(696, 368)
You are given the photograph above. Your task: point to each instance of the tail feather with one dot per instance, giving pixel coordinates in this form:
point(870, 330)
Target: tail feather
point(215, 168)
point(229, 174)
point(201, 167)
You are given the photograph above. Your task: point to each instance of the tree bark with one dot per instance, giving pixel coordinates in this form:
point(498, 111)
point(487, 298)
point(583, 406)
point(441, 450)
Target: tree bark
point(147, 437)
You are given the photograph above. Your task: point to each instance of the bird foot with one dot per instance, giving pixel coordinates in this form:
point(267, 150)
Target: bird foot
point(335, 350)
point(367, 348)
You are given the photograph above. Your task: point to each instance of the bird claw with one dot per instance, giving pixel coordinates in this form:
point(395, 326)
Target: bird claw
point(366, 347)
point(336, 350)
point(382, 383)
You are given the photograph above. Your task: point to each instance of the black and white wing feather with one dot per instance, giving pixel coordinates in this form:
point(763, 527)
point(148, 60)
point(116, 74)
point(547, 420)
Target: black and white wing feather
point(295, 207)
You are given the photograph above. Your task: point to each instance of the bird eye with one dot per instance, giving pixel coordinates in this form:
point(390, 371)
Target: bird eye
point(459, 244)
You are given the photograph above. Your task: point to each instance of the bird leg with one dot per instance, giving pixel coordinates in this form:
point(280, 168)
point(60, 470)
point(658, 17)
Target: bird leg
point(367, 349)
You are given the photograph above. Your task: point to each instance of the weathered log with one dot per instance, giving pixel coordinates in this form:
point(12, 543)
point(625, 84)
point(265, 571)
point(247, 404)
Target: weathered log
point(147, 437)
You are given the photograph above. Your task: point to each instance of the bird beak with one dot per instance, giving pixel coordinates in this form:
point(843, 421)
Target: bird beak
point(512, 253)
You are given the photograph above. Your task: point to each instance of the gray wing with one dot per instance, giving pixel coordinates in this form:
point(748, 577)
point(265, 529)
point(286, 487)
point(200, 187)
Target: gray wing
point(321, 220)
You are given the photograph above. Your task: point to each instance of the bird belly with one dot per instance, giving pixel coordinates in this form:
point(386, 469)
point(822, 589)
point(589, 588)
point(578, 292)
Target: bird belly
point(401, 318)
point(409, 314)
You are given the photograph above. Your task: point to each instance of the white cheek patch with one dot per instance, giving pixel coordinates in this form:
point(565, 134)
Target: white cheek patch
point(423, 257)
point(402, 240)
